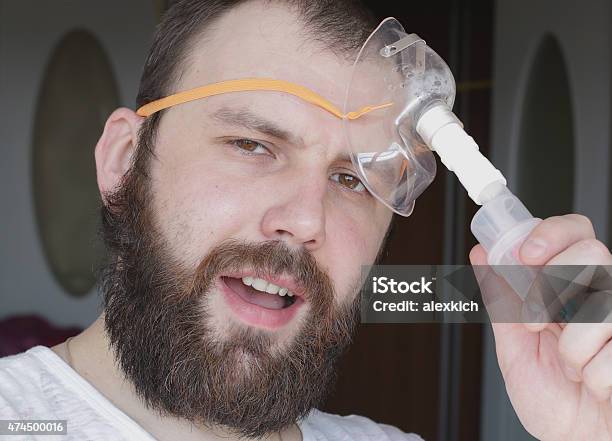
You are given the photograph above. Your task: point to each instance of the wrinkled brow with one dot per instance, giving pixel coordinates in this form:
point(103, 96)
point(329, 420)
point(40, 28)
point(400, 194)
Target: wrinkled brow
point(247, 119)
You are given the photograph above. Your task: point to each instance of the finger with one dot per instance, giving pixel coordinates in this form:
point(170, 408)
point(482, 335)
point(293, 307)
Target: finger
point(503, 305)
point(559, 284)
point(583, 252)
point(534, 317)
point(579, 343)
point(597, 374)
point(595, 308)
point(553, 235)
point(537, 307)
point(554, 328)
point(580, 268)
point(557, 291)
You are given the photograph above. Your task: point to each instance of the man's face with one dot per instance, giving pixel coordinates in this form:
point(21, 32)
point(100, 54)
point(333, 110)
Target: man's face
point(249, 184)
point(263, 166)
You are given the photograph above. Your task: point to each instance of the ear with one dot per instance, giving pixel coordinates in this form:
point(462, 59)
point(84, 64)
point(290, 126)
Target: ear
point(115, 148)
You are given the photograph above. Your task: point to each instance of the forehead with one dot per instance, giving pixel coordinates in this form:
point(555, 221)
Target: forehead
point(265, 40)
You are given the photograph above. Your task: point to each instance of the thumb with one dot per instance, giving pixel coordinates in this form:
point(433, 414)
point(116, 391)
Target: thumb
point(478, 257)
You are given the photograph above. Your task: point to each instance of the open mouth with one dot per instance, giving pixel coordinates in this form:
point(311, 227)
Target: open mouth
point(261, 292)
point(260, 302)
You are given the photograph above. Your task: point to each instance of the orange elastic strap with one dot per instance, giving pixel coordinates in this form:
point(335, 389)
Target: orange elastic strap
point(252, 84)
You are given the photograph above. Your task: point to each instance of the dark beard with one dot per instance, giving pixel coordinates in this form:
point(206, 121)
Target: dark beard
point(158, 323)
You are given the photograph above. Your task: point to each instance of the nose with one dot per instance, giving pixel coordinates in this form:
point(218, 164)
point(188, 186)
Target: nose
point(298, 213)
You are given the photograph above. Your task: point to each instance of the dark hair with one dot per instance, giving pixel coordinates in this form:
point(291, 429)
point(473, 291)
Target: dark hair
point(340, 26)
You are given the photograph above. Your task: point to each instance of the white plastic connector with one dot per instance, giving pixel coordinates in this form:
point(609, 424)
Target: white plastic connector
point(444, 134)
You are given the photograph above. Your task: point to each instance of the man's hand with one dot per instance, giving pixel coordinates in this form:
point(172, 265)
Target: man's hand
point(559, 379)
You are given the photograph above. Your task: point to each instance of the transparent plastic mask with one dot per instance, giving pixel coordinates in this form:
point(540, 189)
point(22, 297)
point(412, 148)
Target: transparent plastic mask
point(392, 160)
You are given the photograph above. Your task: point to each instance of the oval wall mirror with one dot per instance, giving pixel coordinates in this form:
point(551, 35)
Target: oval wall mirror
point(77, 93)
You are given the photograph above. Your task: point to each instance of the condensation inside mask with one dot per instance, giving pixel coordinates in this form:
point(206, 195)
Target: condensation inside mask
point(393, 161)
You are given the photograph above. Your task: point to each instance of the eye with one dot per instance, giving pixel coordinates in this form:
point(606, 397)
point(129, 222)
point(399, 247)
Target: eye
point(349, 181)
point(248, 146)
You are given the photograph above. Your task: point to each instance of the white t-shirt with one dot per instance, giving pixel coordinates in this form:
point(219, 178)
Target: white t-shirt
point(38, 384)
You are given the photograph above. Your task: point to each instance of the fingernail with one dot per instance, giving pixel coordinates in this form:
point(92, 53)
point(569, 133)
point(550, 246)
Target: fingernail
point(571, 373)
point(533, 248)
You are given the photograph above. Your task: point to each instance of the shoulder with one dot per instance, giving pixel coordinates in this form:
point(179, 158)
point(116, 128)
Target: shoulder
point(22, 371)
point(322, 426)
point(21, 379)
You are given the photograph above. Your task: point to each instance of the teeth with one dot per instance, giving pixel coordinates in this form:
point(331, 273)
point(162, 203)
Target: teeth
point(248, 281)
point(259, 284)
point(265, 286)
point(272, 288)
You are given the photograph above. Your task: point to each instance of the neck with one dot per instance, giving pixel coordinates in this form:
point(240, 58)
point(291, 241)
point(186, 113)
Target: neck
point(89, 354)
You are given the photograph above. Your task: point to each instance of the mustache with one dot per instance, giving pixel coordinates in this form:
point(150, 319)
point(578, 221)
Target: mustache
point(265, 260)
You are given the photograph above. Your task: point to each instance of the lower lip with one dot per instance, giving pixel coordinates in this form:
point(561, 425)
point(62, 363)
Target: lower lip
point(256, 315)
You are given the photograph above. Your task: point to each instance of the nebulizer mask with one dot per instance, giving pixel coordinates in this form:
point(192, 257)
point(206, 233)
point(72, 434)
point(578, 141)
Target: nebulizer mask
point(392, 146)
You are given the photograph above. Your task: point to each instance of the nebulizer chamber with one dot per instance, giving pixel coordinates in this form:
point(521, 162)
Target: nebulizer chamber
point(503, 222)
point(400, 68)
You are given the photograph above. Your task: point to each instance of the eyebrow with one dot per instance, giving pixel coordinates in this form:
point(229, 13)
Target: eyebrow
point(246, 118)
